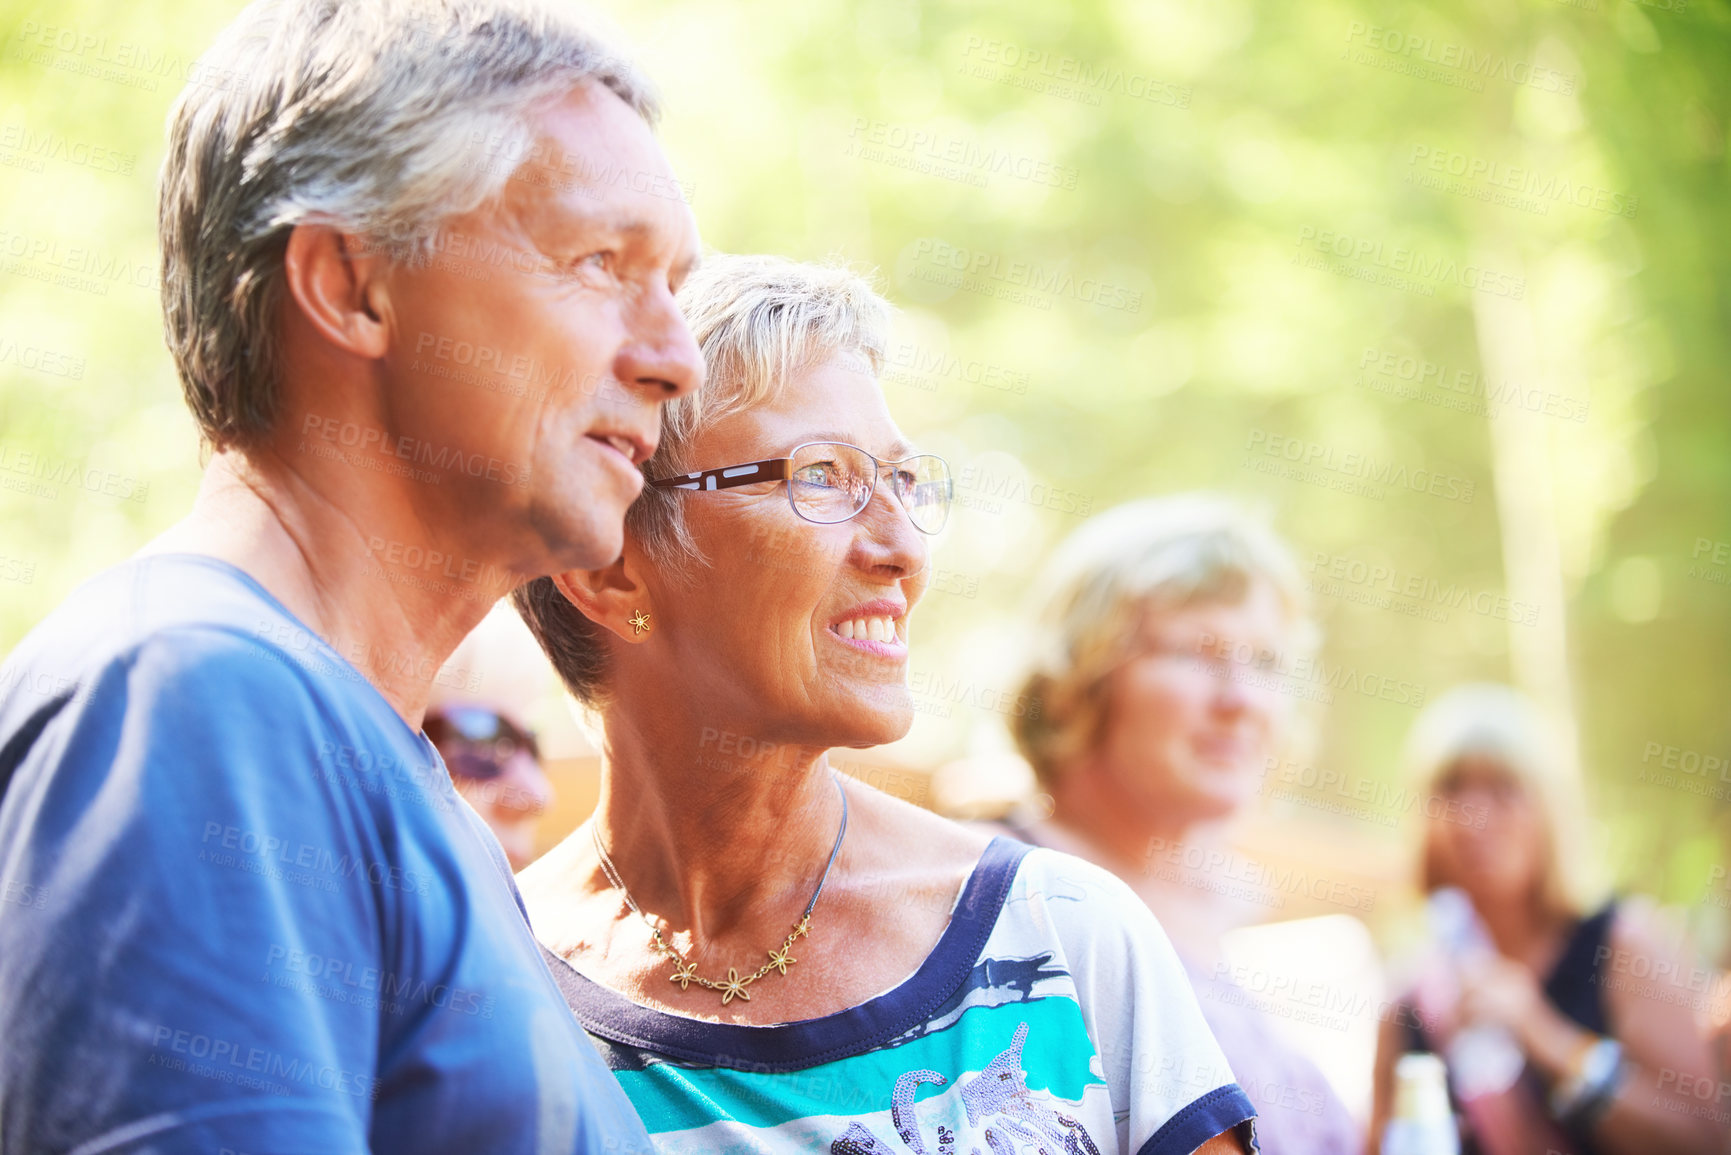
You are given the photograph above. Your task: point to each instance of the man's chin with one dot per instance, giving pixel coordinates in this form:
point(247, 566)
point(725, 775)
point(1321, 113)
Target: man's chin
point(590, 540)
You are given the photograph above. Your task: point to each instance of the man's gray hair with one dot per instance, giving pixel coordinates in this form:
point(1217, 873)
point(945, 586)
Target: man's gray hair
point(380, 117)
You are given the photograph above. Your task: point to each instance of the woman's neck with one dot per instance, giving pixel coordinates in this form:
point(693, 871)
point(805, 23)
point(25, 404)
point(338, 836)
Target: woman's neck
point(712, 830)
point(1122, 837)
point(1136, 846)
point(1525, 931)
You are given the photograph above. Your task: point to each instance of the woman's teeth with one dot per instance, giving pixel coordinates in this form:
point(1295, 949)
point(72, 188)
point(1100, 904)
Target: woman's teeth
point(868, 629)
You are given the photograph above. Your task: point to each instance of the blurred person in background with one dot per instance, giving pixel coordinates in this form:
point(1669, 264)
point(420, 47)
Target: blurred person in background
point(477, 719)
point(1586, 1005)
point(939, 991)
point(1161, 630)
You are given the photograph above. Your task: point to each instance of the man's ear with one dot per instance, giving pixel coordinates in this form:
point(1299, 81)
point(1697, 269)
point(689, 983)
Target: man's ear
point(613, 597)
point(336, 284)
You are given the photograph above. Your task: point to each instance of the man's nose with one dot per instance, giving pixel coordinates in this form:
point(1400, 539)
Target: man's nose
point(660, 357)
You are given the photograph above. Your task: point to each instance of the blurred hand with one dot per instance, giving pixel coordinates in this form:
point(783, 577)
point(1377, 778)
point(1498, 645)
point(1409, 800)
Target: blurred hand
point(1501, 992)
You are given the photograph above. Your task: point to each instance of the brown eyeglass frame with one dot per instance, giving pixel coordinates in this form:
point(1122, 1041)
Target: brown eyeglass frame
point(781, 469)
point(730, 476)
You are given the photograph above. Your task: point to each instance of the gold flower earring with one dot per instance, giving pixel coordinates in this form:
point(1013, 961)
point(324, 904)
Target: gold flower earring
point(639, 623)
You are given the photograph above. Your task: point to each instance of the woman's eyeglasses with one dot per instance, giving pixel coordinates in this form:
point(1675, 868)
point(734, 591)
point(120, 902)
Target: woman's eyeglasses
point(477, 742)
point(831, 481)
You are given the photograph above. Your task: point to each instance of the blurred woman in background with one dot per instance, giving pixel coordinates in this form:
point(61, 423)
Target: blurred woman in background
point(1591, 1001)
point(1164, 624)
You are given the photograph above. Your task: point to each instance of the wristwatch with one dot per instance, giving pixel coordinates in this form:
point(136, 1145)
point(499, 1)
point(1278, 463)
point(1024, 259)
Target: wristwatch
point(1578, 1100)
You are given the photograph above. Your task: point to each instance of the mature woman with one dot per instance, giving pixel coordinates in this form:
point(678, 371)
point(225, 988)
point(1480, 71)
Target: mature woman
point(1164, 623)
point(771, 957)
point(1595, 999)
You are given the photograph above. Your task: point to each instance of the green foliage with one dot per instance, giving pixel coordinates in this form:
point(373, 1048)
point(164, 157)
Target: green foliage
point(1148, 200)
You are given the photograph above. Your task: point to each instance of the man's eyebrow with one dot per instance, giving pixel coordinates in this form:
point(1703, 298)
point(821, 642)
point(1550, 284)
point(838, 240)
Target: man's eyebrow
point(635, 228)
point(607, 218)
point(621, 224)
point(584, 225)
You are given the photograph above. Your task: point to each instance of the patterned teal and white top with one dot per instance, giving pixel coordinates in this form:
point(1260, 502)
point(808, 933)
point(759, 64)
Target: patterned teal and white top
point(1052, 1018)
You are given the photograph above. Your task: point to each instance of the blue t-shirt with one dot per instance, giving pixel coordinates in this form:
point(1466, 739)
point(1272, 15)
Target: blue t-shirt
point(242, 909)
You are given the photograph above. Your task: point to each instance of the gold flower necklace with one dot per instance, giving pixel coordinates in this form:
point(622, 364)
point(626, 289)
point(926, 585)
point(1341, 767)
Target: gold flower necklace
point(733, 986)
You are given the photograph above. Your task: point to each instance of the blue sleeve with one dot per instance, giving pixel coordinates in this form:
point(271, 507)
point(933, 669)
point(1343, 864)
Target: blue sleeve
point(163, 844)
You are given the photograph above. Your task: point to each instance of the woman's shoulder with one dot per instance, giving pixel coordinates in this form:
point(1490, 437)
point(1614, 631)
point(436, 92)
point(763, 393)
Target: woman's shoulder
point(1084, 907)
point(1641, 940)
point(1636, 922)
point(1038, 897)
point(1061, 882)
point(913, 834)
point(1077, 876)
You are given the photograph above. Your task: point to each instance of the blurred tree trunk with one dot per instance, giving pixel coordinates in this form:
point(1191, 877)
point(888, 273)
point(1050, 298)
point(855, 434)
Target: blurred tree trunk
point(1522, 472)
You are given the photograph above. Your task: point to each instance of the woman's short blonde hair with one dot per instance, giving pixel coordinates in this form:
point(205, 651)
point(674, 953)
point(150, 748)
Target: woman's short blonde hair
point(1153, 555)
point(759, 321)
point(1496, 725)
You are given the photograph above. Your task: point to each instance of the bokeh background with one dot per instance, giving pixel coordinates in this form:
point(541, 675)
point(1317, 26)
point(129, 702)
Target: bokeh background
point(1445, 289)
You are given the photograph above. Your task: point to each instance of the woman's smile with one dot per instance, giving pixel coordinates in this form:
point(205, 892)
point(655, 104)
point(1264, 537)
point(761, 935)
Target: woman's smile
point(878, 627)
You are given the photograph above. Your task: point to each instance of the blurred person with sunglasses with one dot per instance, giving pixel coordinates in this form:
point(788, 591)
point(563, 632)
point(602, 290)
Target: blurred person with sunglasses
point(1568, 1019)
point(260, 919)
point(772, 957)
point(496, 766)
point(476, 720)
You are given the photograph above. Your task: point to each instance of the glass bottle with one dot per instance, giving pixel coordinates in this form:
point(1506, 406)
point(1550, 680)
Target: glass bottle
point(1423, 1122)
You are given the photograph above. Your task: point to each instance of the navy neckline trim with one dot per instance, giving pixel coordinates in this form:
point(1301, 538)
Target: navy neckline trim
point(809, 1042)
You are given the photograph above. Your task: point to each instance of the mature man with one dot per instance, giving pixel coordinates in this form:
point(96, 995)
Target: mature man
point(419, 259)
